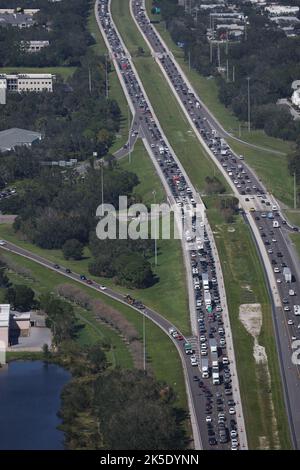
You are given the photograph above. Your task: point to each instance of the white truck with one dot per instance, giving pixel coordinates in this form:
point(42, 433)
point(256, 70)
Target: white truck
point(205, 281)
point(207, 298)
point(296, 309)
point(287, 274)
point(213, 346)
point(216, 378)
point(161, 150)
point(204, 368)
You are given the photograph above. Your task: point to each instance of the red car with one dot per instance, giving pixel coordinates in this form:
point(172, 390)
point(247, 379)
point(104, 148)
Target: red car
point(89, 282)
point(179, 337)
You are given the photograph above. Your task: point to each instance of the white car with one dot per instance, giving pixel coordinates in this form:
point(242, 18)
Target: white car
point(232, 411)
point(2, 243)
point(102, 287)
point(208, 419)
point(279, 281)
point(290, 322)
point(276, 270)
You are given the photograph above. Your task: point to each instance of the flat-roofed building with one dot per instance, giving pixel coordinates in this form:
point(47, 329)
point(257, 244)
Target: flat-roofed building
point(34, 46)
point(28, 82)
point(4, 324)
point(19, 324)
point(12, 138)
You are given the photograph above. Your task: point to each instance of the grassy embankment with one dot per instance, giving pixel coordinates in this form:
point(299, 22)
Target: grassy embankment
point(243, 268)
point(161, 354)
point(270, 167)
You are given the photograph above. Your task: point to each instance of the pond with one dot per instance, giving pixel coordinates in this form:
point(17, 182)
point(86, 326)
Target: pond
point(29, 402)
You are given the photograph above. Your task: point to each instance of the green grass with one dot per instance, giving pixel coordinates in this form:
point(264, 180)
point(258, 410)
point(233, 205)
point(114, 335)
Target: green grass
point(162, 356)
point(64, 72)
point(295, 237)
point(131, 36)
point(245, 283)
point(293, 216)
point(141, 164)
point(271, 168)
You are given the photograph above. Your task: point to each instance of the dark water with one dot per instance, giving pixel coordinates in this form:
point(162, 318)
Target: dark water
point(29, 400)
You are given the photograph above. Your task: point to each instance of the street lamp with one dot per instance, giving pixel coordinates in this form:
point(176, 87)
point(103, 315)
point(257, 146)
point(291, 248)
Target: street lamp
point(249, 123)
point(155, 229)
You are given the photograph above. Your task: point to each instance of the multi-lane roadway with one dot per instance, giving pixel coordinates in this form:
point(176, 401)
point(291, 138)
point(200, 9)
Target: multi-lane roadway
point(255, 202)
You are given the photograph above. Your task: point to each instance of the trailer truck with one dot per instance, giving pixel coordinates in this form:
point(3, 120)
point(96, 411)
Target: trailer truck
point(287, 274)
point(204, 368)
point(207, 298)
point(205, 281)
point(213, 345)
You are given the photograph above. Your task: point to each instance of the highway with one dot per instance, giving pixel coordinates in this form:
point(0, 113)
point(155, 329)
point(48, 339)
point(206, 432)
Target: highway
point(256, 203)
point(183, 197)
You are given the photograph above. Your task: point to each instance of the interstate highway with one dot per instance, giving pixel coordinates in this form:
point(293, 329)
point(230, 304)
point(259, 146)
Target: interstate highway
point(246, 185)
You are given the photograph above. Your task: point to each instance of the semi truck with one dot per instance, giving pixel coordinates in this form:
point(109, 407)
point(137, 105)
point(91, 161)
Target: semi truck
point(188, 348)
point(287, 274)
point(207, 298)
point(204, 368)
point(205, 281)
point(213, 346)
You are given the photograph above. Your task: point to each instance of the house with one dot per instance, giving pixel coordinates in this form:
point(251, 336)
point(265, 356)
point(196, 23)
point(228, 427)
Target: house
point(11, 138)
point(17, 20)
point(296, 98)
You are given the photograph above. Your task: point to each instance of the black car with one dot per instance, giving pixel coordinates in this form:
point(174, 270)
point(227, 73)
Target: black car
point(212, 441)
point(56, 266)
point(68, 271)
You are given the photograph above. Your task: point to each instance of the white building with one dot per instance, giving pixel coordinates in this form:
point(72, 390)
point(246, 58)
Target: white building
point(2, 91)
point(34, 46)
point(282, 10)
point(37, 82)
point(296, 98)
point(4, 324)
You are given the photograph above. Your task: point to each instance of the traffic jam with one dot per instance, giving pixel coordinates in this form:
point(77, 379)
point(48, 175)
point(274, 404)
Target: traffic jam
point(208, 355)
point(265, 213)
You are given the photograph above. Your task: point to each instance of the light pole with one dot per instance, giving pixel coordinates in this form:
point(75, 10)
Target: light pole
point(155, 230)
point(102, 186)
point(129, 154)
point(249, 115)
point(144, 343)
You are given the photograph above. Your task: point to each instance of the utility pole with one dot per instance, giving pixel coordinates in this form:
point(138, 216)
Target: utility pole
point(106, 78)
point(90, 81)
point(155, 229)
point(227, 71)
point(129, 154)
point(219, 56)
point(211, 51)
point(295, 192)
point(144, 343)
point(189, 54)
point(249, 112)
point(233, 73)
point(102, 186)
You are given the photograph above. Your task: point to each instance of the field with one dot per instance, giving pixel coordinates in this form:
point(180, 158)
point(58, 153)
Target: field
point(141, 164)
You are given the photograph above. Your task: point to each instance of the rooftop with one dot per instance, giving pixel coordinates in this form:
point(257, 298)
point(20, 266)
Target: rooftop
point(16, 19)
point(4, 315)
point(11, 138)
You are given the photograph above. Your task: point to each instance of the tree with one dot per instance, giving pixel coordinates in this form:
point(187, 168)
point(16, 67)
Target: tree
point(134, 271)
point(21, 297)
point(72, 249)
